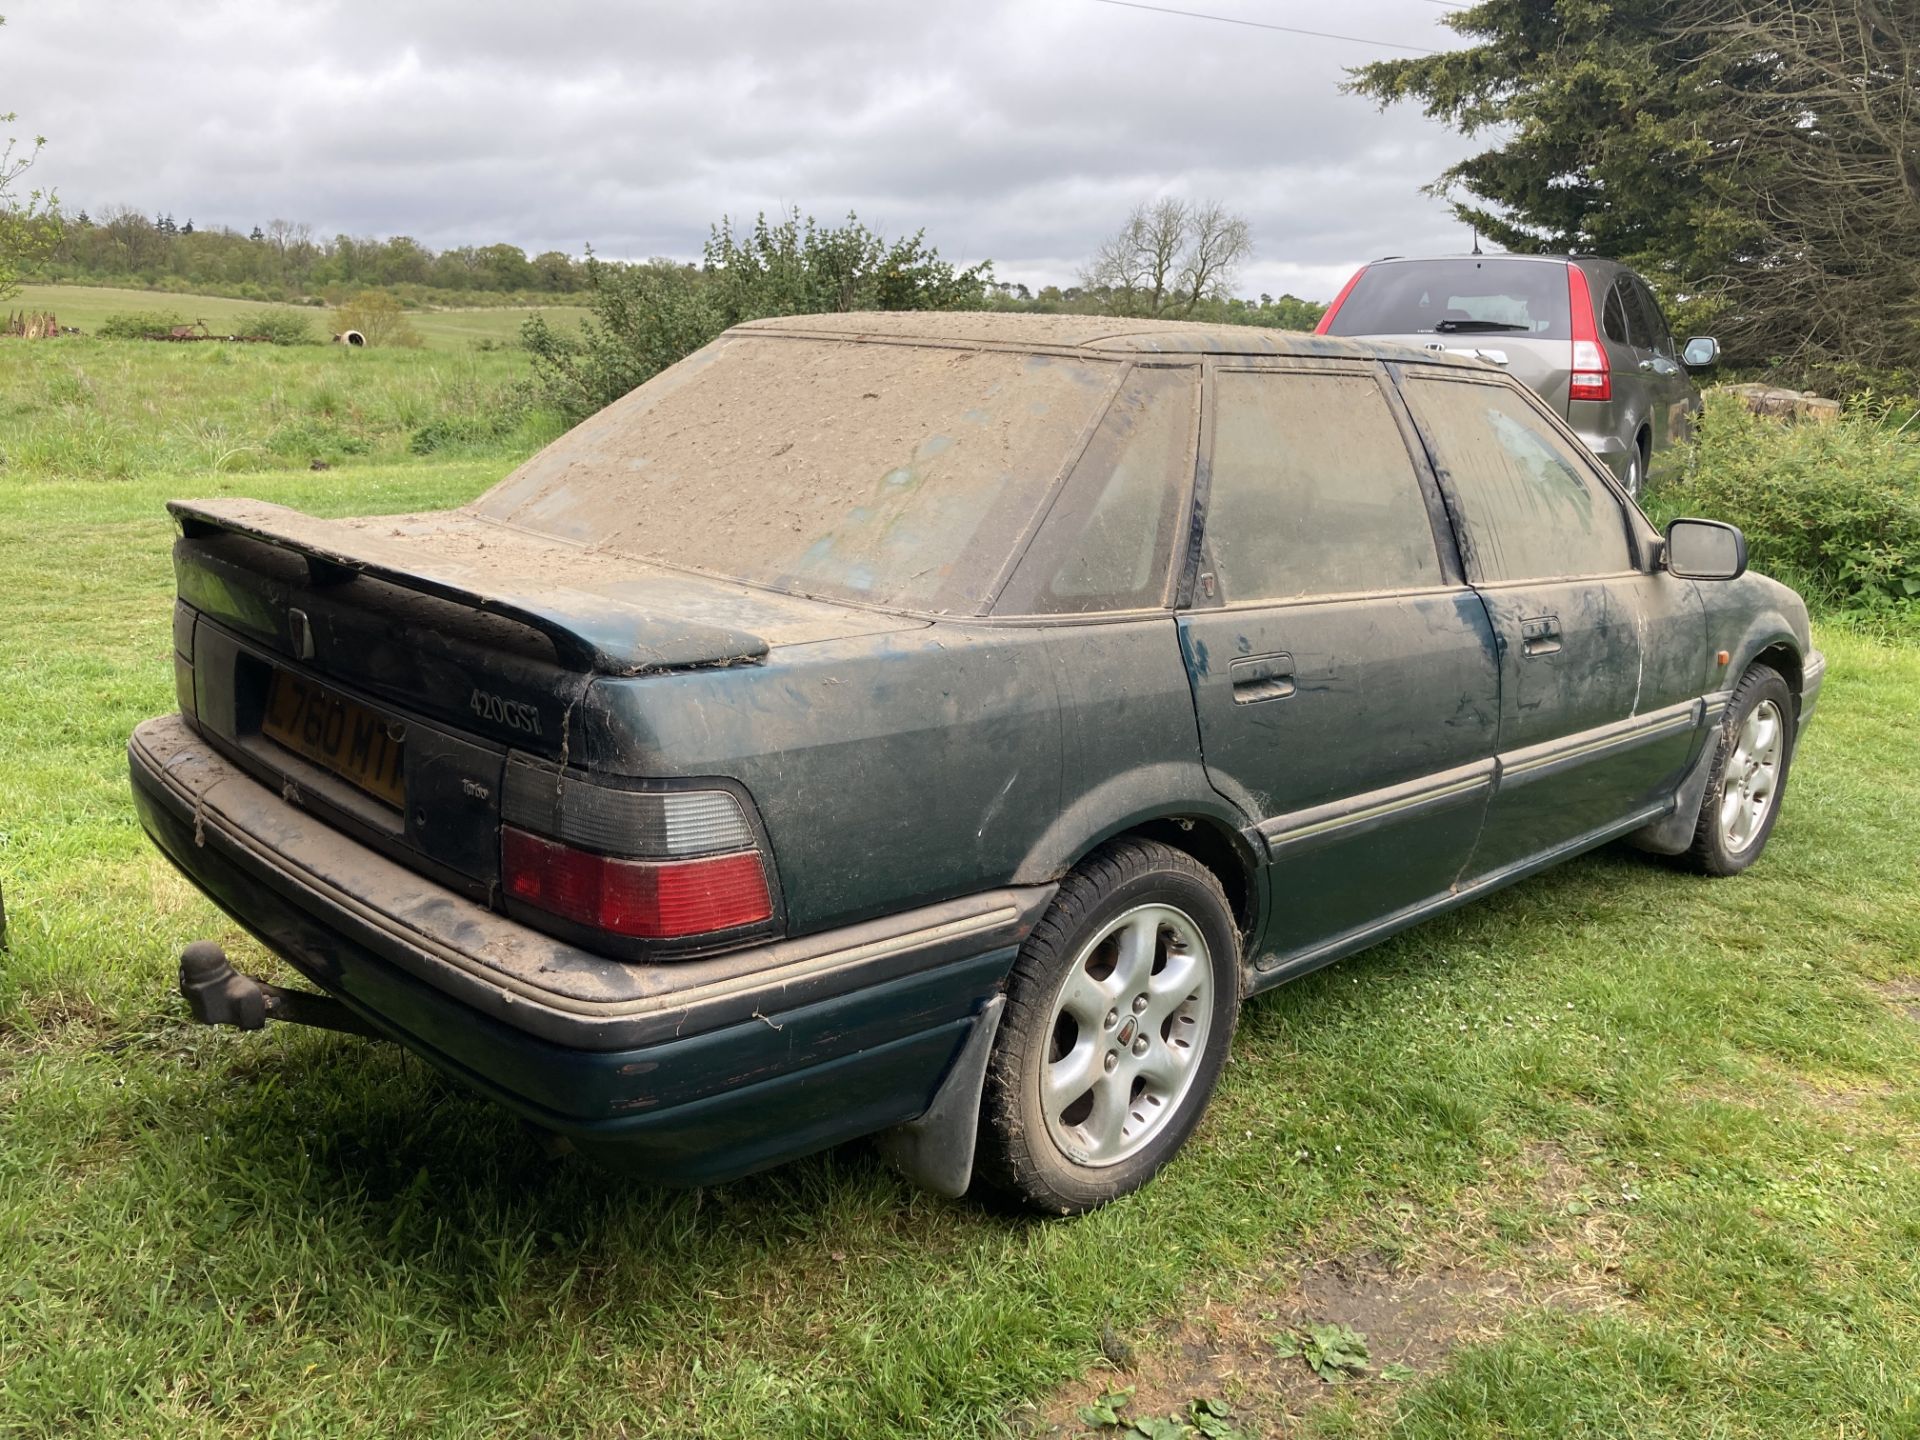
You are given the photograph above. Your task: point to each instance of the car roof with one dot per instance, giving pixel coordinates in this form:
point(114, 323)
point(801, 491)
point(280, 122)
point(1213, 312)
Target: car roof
point(1585, 262)
point(1098, 334)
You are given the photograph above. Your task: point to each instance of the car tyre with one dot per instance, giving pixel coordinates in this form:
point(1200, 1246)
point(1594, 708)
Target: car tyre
point(1748, 782)
point(1120, 1010)
point(1636, 472)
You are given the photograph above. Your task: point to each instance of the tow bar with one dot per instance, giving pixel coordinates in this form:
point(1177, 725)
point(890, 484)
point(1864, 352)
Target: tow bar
point(218, 994)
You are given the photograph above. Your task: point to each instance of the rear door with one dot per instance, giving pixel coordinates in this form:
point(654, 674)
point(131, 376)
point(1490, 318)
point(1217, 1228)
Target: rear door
point(1599, 658)
point(1343, 673)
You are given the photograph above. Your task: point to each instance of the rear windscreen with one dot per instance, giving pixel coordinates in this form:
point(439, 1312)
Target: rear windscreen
point(898, 475)
point(1488, 296)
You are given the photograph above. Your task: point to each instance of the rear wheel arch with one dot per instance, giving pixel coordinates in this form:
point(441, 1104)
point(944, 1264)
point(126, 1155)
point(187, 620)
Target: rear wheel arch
point(1222, 850)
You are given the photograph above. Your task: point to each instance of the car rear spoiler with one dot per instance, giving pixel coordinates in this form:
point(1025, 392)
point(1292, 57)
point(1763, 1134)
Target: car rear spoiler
point(590, 632)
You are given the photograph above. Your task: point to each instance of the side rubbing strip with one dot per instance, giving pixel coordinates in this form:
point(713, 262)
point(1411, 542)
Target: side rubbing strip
point(1536, 762)
point(1339, 819)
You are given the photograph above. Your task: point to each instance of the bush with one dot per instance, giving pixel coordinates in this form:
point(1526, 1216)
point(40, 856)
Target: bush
point(646, 317)
point(282, 325)
point(377, 316)
point(1833, 509)
point(139, 325)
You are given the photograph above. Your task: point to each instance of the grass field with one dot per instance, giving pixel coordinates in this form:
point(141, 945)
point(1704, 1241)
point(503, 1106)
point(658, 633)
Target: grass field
point(113, 410)
point(85, 306)
point(1639, 1152)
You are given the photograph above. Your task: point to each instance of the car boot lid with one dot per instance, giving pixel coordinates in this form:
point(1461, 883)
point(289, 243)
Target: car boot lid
point(603, 612)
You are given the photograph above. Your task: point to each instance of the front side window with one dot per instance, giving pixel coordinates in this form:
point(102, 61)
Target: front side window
point(1660, 338)
point(1311, 490)
point(1527, 508)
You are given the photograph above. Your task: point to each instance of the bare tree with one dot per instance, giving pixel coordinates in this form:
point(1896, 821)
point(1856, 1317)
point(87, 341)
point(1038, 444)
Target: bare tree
point(1169, 254)
point(1135, 269)
point(1217, 241)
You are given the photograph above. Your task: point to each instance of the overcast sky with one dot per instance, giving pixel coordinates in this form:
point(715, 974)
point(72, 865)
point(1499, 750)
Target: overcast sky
point(1019, 132)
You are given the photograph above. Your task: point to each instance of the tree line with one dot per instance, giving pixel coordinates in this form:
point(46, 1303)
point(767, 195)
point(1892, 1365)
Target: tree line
point(284, 260)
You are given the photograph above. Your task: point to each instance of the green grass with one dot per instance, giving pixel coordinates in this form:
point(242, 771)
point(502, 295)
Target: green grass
point(208, 1233)
point(110, 410)
point(85, 306)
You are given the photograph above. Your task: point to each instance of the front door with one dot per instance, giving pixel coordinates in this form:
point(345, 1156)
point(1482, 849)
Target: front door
point(1344, 675)
point(1599, 660)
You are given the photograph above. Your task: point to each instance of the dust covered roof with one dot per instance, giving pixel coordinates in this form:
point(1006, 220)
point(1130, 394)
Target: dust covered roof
point(1099, 333)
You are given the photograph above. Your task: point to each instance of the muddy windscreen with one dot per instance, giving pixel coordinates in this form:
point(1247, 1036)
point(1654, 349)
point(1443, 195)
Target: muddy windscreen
point(895, 475)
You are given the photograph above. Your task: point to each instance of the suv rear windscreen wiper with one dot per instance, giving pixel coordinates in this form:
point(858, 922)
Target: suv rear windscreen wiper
point(1462, 327)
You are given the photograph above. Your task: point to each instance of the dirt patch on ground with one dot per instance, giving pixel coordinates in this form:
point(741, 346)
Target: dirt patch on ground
point(1902, 994)
point(1410, 1316)
point(1228, 1351)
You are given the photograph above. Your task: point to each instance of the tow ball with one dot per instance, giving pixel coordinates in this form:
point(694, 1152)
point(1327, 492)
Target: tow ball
point(218, 994)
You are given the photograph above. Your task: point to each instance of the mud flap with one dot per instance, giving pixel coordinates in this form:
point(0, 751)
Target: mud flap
point(1674, 834)
point(935, 1152)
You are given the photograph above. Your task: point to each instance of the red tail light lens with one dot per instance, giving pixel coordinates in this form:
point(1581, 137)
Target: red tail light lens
point(1326, 319)
point(1591, 377)
point(645, 899)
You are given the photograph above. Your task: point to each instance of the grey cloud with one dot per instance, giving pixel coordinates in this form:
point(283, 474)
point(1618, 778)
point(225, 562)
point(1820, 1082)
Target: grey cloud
point(1020, 132)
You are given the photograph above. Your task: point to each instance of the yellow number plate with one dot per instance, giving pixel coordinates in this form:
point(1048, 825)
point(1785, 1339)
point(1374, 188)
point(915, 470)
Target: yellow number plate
point(331, 730)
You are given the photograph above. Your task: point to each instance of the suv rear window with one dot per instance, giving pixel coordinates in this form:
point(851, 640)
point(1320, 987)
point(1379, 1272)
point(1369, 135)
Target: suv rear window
point(1488, 296)
point(897, 475)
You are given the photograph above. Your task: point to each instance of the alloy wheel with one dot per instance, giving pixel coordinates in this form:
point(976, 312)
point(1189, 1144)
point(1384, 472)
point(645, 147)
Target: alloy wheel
point(1128, 1028)
point(1752, 776)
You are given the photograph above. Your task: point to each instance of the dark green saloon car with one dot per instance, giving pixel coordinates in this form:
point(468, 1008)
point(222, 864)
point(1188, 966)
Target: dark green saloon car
point(937, 726)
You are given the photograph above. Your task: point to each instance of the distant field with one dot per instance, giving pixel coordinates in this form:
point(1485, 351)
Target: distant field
point(110, 410)
point(85, 306)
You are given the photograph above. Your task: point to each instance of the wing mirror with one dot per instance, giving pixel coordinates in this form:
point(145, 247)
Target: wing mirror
point(1706, 550)
point(1702, 353)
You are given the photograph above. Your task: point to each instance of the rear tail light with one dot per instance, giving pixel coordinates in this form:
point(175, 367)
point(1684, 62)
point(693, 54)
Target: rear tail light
point(1326, 319)
point(644, 899)
point(646, 864)
point(1591, 377)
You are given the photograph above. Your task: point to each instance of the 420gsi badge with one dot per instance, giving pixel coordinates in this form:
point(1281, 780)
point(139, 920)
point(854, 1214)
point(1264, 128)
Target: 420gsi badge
point(514, 714)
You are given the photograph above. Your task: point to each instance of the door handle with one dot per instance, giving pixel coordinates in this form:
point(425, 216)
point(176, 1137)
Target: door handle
point(1261, 677)
point(1540, 635)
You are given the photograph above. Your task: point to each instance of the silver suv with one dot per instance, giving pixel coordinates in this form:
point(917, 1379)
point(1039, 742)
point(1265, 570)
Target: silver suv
point(1585, 333)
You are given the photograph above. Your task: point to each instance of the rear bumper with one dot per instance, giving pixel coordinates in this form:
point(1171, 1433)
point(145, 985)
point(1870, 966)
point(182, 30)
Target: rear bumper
point(694, 1071)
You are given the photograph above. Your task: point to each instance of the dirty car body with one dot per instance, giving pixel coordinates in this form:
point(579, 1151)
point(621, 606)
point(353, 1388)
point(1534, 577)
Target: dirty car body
point(695, 790)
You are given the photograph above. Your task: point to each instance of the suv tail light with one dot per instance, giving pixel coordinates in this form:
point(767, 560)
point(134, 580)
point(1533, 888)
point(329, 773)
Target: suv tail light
point(644, 864)
point(1591, 377)
point(1326, 318)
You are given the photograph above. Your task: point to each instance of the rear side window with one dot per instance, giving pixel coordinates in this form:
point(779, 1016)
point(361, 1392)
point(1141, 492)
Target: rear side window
point(1311, 490)
point(1614, 316)
point(1528, 508)
point(1488, 296)
point(1106, 543)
